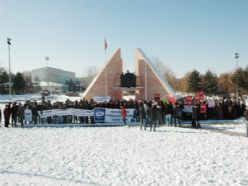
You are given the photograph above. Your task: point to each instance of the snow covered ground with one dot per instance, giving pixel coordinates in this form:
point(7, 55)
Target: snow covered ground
point(237, 128)
point(121, 156)
point(24, 97)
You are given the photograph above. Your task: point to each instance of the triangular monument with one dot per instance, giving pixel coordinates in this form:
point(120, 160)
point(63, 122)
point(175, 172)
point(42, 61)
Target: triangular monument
point(149, 82)
point(107, 78)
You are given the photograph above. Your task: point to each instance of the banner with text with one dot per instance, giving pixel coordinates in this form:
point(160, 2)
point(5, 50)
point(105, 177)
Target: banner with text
point(106, 115)
point(65, 112)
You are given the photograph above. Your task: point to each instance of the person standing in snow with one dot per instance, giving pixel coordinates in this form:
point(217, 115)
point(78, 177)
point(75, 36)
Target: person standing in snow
point(14, 112)
point(123, 113)
point(154, 116)
point(146, 108)
point(196, 115)
point(142, 115)
point(246, 117)
point(21, 113)
point(0, 117)
point(6, 114)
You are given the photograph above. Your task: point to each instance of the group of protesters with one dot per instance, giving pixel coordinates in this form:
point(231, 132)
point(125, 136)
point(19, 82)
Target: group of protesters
point(148, 113)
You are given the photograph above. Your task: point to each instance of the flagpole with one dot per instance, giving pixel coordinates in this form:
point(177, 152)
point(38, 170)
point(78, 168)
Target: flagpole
point(146, 74)
point(106, 83)
point(106, 91)
point(145, 80)
point(9, 43)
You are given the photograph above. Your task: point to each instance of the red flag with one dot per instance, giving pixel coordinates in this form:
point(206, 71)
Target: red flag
point(105, 44)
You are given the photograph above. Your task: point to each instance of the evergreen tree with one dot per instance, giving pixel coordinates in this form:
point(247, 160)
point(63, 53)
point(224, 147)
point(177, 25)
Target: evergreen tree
point(210, 83)
point(226, 85)
point(239, 79)
point(18, 82)
point(194, 82)
point(4, 79)
point(71, 85)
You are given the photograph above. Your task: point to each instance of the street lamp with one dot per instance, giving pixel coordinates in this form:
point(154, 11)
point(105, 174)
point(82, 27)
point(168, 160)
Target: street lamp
point(47, 59)
point(237, 58)
point(9, 43)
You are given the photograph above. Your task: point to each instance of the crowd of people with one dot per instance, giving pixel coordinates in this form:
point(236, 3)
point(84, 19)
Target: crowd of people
point(147, 113)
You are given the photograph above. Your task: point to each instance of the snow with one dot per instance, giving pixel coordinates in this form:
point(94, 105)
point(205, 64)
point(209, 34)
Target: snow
point(237, 128)
point(25, 97)
point(45, 83)
point(121, 156)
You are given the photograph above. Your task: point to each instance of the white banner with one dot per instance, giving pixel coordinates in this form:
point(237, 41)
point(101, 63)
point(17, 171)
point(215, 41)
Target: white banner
point(114, 116)
point(65, 112)
point(187, 108)
point(102, 99)
point(211, 103)
point(28, 115)
point(45, 113)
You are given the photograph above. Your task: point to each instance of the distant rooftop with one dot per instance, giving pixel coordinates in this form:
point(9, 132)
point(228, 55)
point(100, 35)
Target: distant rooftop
point(51, 68)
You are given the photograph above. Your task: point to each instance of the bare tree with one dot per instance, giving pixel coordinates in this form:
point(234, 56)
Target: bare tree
point(166, 71)
point(91, 72)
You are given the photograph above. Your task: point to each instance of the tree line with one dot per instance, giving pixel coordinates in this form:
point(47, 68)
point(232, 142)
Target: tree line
point(211, 83)
point(191, 82)
point(20, 82)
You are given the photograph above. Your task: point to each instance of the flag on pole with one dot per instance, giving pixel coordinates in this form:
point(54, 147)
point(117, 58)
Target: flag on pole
point(105, 44)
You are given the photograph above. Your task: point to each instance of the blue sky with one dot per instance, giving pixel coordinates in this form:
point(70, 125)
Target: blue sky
point(184, 34)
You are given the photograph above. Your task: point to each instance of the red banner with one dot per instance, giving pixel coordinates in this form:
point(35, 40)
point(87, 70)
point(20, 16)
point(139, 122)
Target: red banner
point(188, 100)
point(199, 96)
point(157, 97)
point(172, 100)
point(203, 109)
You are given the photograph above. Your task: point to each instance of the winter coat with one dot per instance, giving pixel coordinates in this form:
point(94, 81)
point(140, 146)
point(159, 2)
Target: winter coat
point(195, 112)
point(142, 112)
point(154, 113)
point(7, 112)
point(246, 114)
point(123, 111)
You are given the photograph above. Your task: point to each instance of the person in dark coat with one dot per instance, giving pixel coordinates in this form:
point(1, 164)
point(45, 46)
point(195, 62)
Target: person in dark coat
point(142, 115)
point(168, 114)
point(14, 113)
point(154, 116)
point(177, 114)
point(21, 113)
point(196, 116)
point(6, 113)
point(246, 117)
point(35, 114)
point(0, 117)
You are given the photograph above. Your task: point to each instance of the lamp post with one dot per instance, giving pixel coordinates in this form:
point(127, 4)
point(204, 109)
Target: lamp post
point(47, 59)
point(237, 58)
point(9, 43)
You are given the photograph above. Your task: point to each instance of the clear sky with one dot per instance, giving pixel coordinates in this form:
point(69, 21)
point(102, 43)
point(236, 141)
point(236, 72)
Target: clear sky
point(184, 34)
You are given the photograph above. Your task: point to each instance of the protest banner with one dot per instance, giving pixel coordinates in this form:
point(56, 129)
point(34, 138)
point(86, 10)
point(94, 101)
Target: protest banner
point(101, 99)
point(106, 115)
point(28, 115)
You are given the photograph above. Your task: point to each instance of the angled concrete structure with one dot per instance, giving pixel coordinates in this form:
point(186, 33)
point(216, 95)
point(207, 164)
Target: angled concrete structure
point(149, 76)
point(106, 79)
point(149, 81)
